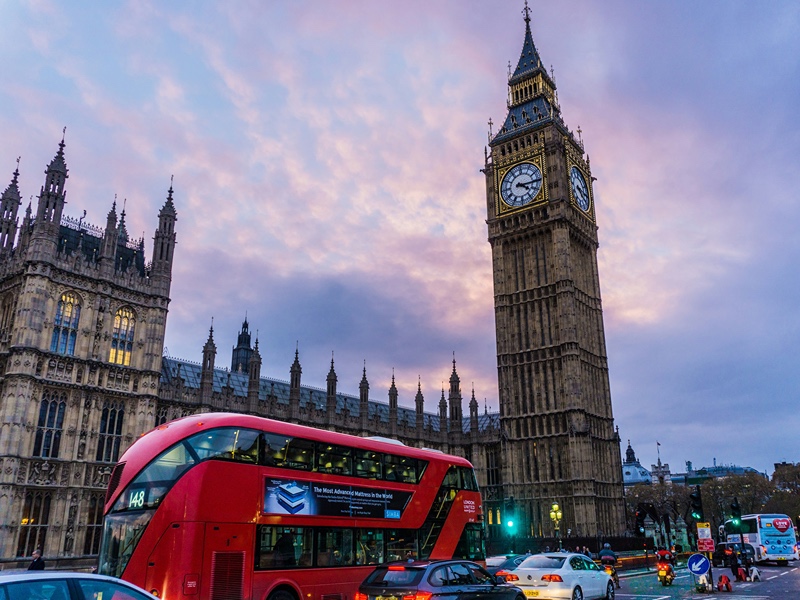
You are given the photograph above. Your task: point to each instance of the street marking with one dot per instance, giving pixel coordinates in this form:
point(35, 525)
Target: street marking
point(773, 577)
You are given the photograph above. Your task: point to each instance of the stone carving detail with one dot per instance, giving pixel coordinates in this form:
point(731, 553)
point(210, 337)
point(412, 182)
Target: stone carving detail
point(43, 473)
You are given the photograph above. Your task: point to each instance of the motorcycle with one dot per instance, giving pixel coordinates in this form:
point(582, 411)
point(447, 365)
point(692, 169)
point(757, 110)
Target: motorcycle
point(665, 573)
point(612, 571)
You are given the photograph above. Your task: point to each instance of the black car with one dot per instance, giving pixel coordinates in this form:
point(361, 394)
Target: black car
point(455, 579)
point(724, 551)
point(504, 562)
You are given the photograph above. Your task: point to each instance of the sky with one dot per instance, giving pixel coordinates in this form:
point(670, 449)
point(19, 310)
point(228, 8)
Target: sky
point(326, 159)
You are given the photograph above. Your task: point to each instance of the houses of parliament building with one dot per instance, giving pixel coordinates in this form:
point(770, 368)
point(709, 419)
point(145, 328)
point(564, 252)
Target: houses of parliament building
point(83, 316)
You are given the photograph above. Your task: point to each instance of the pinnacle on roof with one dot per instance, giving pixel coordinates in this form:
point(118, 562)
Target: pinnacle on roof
point(12, 191)
point(529, 60)
point(58, 164)
point(169, 207)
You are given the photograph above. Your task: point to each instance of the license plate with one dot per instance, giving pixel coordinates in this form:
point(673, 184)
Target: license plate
point(531, 593)
point(386, 598)
point(662, 573)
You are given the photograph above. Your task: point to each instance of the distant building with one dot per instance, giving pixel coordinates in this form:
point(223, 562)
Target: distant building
point(633, 473)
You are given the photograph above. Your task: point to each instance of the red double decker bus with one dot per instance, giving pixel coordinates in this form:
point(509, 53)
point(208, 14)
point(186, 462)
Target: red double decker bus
point(233, 506)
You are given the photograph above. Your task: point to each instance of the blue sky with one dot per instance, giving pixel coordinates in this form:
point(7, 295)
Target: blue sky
point(326, 158)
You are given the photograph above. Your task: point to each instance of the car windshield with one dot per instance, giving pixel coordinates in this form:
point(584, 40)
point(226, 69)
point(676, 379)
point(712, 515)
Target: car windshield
point(395, 575)
point(543, 561)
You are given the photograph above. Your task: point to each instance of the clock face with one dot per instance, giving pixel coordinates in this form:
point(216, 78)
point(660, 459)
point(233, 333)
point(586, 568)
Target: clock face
point(579, 188)
point(521, 184)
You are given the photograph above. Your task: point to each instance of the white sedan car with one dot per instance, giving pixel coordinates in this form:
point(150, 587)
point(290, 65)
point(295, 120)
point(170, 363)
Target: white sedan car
point(556, 575)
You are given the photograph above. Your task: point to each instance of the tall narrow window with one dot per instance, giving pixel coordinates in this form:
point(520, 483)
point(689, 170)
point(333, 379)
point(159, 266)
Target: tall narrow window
point(122, 338)
point(110, 432)
point(51, 422)
point(65, 326)
point(94, 524)
point(35, 517)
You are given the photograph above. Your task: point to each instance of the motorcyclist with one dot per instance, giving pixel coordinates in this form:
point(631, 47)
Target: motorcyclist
point(665, 557)
point(608, 558)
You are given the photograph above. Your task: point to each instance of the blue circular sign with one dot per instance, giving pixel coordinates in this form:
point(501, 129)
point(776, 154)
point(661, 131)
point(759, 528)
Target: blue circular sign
point(698, 564)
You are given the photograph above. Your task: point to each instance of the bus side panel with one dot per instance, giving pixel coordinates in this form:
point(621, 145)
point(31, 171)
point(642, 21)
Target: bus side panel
point(170, 566)
point(228, 561)
point(466, 508)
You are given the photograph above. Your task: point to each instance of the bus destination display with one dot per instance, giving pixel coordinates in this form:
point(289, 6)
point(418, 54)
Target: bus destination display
point(293, 497)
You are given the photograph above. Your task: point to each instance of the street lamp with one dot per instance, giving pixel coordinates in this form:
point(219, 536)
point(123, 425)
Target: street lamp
point(555, 516)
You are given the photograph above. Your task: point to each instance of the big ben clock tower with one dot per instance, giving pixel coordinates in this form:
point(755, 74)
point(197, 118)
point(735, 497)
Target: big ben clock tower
point(555, 399)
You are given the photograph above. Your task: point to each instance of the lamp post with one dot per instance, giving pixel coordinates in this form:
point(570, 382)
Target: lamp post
point(555, 516)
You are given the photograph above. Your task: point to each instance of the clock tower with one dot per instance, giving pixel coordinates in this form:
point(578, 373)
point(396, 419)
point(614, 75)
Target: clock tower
point(555, 399)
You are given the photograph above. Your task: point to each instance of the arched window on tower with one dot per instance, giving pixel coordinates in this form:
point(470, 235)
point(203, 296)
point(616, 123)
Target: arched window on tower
point(51, 422)
point(35, 520)
point(65, 325)
point(122, 337)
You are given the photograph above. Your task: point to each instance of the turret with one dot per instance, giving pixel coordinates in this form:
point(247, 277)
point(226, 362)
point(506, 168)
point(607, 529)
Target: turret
point(207, 372)
point(473, 412)
point(164, 243)
point(455, 400)
point(393, 406)
point(419, 402)
point(443, 413)
point(254, 378)
point(330, 400)
point(363, 398)
point(295, 371)
point(52, 197)
point(10, 202)
point(240, 357)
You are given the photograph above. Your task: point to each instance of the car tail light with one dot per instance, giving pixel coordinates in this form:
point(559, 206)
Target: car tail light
point(360, 596)
point(507, 575)
point(397, 568)
point(418, 596)
point(552, 578)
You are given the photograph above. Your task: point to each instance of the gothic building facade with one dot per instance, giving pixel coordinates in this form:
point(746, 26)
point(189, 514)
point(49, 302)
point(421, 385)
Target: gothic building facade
point(82, 322)
point(554, 395)
point(83, 318)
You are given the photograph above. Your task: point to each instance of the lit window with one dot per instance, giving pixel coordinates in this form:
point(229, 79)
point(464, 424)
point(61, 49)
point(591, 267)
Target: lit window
point(122, 337)
point(35, 518)
point(65, 326)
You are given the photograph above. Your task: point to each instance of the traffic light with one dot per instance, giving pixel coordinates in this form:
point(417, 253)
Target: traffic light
point(510, 516)
point(640, 516)
point(696, 500)
point(736, 512)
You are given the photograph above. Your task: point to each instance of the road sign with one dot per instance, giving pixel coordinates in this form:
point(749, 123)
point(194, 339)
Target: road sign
point(698, 564)
point(704, 530)
point(705, 545)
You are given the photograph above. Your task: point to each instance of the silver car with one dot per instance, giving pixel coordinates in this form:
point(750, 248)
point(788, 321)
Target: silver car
point(64, 585)
point(563, 576)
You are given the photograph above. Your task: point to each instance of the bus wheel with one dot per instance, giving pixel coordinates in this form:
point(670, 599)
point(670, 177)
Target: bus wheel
point(281, 595)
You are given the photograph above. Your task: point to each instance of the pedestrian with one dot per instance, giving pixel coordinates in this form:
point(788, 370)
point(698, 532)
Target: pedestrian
point(735, 564)
point(37, 564)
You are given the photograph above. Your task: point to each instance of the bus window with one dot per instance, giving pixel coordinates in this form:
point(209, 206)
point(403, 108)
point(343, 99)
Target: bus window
point(401, 544)
point(467, 477)
point(226, 444)
point(274, 448)
point(471, 543)
point(334, 547)
point(369, 546)
point(299, 454)
point(400, 468)
point(283, 547)
point(334, 459)
point(368, 464)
